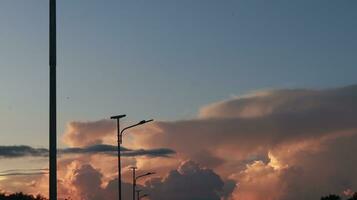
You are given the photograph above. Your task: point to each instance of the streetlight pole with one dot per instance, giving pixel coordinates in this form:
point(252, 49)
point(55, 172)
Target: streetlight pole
point(53, 103)
point(120, 141)
point(118, 117)
point(138, 194)
point(134, 181)
point(135, 178)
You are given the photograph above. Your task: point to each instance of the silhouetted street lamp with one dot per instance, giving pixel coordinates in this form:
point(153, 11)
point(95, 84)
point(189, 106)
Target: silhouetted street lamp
point(120, 141)
point(135, 178)
point(118, 117)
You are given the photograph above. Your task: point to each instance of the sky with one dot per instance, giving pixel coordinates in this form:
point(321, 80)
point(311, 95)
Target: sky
point(181, 63)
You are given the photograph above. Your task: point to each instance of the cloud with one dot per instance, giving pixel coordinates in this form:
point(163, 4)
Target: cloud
point(112, 150)
point(162, 152)
point(267, 103)
point(262, 140)
point(87, 182)
point(23, 174)
point(111, 190)
point(189, 182)
point(258, 181)
point(275, 145)
point(79, 134)
point(99, 148)
point(21, 151)
point(27, 151)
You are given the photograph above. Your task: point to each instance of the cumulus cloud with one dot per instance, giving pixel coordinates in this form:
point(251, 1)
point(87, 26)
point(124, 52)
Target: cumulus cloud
point(189, 182)
point(79, 134)
point(87, 181)
point(274, 145)
point(265, 141)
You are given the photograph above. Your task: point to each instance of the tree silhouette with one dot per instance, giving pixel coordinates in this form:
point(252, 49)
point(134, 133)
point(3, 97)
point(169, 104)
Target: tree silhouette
point(354, 197)
point(20, 196)
point(331, 197)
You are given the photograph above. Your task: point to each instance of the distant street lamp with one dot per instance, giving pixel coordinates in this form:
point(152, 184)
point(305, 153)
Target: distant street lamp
point(135, 178)
point(120, 141)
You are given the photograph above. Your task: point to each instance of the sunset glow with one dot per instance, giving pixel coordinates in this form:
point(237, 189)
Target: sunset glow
point(250, 100)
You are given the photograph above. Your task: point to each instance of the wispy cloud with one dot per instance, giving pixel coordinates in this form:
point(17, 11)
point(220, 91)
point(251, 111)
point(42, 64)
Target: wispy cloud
point(23, 172)
point(22, 151)
point(27, 151)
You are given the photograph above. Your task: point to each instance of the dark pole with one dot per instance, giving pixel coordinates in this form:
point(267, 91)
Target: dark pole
point(53, 110)
point(119, 156)
point(119, 159)
point(134, 181)
point(138, 194)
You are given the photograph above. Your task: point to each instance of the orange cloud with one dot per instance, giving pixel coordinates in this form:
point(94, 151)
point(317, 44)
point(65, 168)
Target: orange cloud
point(278, 145)
point(80, 134)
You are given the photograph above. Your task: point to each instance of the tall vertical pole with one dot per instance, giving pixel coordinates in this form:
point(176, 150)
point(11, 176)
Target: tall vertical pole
point(119, 137)
point(134, 181)
point(119, 160)
point(53, 103)
point(138, 194)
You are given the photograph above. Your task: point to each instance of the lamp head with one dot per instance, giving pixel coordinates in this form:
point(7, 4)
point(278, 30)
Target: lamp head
point(117, 116)
point(133, 167)
point(145, 121)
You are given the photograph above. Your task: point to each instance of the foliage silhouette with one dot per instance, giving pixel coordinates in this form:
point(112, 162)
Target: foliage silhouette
point(354, 197)
point(336, 197)
point(331, 197)
point(20, 196)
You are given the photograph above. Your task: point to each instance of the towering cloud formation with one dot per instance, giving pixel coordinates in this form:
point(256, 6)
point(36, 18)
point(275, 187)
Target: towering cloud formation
point(275, 145)
point(189, 182)
point(87, 181)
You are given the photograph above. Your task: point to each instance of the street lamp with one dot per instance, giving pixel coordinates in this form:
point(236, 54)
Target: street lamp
point(117, 118)
point(134, 125)
point(135, 178)
point(120, 141)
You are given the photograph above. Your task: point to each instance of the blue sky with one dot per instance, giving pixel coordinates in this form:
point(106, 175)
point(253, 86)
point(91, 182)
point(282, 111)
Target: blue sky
point(164, 59)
